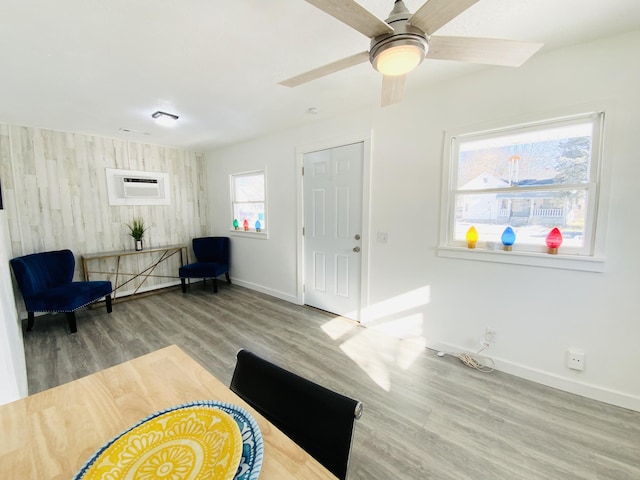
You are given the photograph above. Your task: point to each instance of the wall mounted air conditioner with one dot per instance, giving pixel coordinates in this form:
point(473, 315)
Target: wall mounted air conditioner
point(133, 187)
point(136, 187)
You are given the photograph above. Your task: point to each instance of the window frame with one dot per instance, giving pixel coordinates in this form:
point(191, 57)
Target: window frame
point(252, 233)
point(590, 257)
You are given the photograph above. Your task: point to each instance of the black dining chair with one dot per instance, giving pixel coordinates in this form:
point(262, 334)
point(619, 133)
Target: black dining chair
point(320, 420)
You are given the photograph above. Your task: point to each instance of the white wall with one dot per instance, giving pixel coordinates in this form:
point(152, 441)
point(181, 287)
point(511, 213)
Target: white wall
point(13, 372)
point(538, 313)
point(266, 265)
point(55, 197)
point(55, 192)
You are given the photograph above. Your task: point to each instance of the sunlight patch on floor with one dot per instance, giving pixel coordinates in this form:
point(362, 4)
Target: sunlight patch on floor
point(405, 327)
point(392, 338)
point(372, 352)
point(339, 327)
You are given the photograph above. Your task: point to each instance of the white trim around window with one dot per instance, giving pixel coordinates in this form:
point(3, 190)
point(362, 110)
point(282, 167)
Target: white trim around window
point(539, 185)
point(248, 195)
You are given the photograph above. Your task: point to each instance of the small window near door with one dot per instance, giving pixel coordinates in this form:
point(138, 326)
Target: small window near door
point(249, 203)
point(530, 177)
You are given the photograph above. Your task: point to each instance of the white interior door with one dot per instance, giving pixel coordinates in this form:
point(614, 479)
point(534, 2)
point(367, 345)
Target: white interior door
point(332, 190)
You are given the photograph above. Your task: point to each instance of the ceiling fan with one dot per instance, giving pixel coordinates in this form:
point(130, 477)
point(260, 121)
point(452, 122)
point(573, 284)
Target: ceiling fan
point(404, 40)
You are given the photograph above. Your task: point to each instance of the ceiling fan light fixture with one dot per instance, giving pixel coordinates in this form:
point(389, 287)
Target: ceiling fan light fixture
point(400, 52)
point(398, 59)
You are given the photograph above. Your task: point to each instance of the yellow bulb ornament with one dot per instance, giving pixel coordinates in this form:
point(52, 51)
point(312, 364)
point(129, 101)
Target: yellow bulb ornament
point(472, 237)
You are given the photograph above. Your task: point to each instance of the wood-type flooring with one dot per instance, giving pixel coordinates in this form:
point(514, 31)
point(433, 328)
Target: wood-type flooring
point(424, 417)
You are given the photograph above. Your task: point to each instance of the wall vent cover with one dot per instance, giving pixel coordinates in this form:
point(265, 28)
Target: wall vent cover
point(131, 187)
point(135, 187)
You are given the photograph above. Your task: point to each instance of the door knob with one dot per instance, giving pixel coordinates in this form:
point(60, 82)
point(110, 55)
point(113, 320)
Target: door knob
point(356, 249)
point(357, 237)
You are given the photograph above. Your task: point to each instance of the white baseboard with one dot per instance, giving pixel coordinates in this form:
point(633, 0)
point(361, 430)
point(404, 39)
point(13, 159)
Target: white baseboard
point(613, 397)
point(262, 289)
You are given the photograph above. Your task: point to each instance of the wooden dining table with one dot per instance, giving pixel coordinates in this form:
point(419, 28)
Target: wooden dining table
point(51, 434)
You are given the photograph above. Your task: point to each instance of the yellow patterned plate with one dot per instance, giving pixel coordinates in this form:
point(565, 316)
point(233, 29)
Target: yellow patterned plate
point(190, 442)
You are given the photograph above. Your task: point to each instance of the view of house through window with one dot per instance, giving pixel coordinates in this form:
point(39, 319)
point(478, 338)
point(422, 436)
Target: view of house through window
point(248, 201)
point(531, 178)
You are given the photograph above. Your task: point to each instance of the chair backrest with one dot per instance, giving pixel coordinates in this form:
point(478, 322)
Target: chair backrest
point(41, 271)
point(320, 420)
point(211, 249)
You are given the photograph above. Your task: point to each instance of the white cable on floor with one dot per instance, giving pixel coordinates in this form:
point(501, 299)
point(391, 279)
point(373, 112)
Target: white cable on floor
point(477, 361)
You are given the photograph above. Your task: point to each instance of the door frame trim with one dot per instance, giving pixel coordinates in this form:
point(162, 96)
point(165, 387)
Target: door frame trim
point(363, 137)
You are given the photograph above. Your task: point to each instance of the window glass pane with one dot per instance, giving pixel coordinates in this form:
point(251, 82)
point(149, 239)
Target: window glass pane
point(531, 215)
point(249, 188)
point(250, 211)
point(248, 201)
point(557, 155)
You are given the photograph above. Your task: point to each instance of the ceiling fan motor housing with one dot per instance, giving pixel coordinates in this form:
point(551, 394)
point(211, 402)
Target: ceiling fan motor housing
point(404, 34)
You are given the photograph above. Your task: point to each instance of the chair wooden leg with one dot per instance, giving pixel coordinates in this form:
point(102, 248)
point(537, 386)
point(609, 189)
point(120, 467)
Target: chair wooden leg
point(30, 320)
point(107, 300)
point(228, 279)
point(183, 281)
point(71, 317)
point(215, 285)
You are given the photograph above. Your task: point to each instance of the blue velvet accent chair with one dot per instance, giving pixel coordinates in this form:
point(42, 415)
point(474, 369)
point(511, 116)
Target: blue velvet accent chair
point(212, 255)
point(46, 283)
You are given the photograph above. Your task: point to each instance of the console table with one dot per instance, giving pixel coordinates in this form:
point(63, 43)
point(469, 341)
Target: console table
point(89, 262)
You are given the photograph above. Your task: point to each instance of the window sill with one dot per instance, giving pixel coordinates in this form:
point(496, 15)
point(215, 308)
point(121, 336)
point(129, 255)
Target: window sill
point(567, 262)
point(249, 234)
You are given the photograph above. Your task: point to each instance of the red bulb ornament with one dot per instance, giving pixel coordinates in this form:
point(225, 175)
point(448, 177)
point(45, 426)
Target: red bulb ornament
point(554, 240)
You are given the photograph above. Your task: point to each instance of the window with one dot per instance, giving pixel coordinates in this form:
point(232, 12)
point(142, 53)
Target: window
point(530, 177)
point(248, 202)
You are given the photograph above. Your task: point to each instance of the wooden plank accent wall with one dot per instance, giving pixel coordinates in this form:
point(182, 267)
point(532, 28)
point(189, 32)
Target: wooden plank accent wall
point(55, 194)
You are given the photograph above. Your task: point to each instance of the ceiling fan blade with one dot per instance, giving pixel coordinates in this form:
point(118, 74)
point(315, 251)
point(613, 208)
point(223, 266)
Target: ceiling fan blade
point(437, 13)
point(392, 89)
point(354, 15)
point(326, 69)
point(488, 51)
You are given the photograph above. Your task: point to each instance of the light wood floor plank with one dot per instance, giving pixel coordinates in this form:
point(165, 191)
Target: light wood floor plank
point(425, 417)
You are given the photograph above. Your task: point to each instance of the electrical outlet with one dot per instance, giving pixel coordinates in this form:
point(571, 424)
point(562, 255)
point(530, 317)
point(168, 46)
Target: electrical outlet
point(489, 335)
point(575, 359)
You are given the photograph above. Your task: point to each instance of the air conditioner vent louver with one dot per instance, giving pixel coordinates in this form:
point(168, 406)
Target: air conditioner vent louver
point(140, 180)
point(132, 187)
point(141, 187)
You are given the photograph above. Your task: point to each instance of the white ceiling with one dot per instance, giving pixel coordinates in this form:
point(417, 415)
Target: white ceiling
point(97, 66)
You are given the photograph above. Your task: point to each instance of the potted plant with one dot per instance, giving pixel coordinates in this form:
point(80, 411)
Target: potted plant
point(136, 230)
